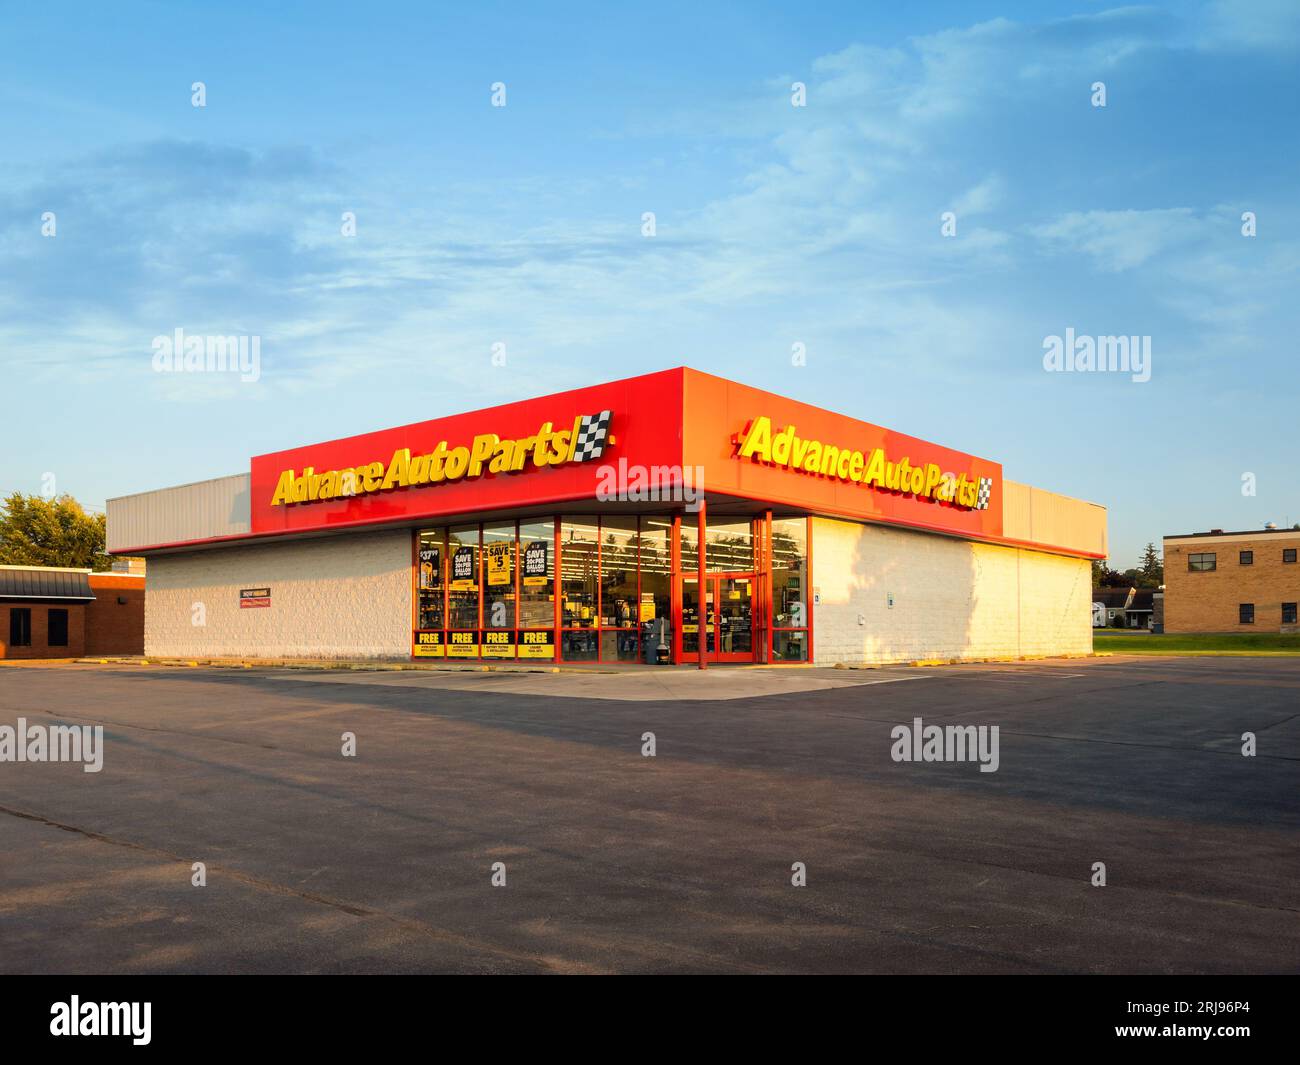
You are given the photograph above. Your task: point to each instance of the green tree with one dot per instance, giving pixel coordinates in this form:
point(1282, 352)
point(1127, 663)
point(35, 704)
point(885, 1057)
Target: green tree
point(1152, 570)
point(50, 532)
point(1105, 577)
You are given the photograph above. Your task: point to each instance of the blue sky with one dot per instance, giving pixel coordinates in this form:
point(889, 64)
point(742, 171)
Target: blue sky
point(776, 225)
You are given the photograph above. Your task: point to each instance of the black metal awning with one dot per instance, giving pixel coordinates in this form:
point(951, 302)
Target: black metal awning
point(35, 582)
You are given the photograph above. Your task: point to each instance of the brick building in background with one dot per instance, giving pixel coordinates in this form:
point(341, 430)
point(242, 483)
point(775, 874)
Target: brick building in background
point(1220, 581)
point(50, 612)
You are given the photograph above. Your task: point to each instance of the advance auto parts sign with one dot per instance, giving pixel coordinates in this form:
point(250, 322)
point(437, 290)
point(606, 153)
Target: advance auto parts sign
point(486, 453)
point(784, 448)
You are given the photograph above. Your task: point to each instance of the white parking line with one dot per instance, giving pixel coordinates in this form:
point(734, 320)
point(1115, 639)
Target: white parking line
point(1012, 674)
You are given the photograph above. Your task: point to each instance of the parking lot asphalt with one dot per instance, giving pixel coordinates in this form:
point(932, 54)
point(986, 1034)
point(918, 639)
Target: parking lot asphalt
point(680, 862)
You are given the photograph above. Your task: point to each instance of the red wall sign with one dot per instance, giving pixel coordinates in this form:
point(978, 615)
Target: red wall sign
point(719, 418)
point(558, 450)
point(537, 452)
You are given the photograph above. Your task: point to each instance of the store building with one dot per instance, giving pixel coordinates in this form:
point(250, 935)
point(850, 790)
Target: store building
point(52, 612)
point(567, 529)
point(1220, 581)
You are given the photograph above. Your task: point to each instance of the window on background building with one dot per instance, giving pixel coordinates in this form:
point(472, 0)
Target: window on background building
point(499, 590)
point(1288, 613)
point(1288, 554)
point(537, 589)
point(579, 572)
point(462, 591)
point(1201, 562)
point(618, 589)
point(790, 590)
point(20, 626)
point(1246, 613)
point(57, 628)
point(1247, 558)
point(655, 610)
point(430, 559)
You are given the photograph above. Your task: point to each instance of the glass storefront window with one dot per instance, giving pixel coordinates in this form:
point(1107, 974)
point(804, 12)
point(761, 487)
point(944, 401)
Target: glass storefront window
point(690, 557)
point(578, 645)
point(728, 548)
point(499, 576)
point(618, 572)
point(462, 577)
point(618, 588)
point(578, 561)
point(790, 645)
point(655, 610)
point(618, 645)
point(490, 591)
point(537, 575)
point(579, 545)
point(429, 566)
point(790, 589)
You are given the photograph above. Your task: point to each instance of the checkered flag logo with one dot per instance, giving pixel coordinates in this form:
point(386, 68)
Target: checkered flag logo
point(986, 490)
point(592, 434)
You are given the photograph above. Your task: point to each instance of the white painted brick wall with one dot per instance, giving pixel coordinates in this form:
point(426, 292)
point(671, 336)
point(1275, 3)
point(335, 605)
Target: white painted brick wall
point(343, 596)
point(953, 599)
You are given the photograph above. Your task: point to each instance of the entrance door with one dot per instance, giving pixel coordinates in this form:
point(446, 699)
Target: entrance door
point(726, 621)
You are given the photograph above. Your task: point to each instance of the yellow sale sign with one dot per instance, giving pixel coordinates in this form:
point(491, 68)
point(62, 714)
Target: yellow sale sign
point(498, 562)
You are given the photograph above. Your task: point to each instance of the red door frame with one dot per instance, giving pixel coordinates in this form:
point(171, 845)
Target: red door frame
point(557, 590)
point(675, 587)
point(701, 553)
point(713, 582)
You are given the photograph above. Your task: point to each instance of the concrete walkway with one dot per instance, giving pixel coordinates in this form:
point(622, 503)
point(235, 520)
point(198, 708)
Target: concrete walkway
point(628, 686)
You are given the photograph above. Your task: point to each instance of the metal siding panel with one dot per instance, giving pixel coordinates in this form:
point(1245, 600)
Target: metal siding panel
point(39, 583)
point(1037, 516)
point(1064, 522)
point(199, 511)
point(1017, 523)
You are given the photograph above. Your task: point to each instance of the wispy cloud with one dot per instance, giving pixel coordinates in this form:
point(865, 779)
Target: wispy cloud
point(819, 224)
point(1121, 240)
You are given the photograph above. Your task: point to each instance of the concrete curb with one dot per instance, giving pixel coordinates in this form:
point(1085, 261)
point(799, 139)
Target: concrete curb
point(397, 666)
point(316, 665)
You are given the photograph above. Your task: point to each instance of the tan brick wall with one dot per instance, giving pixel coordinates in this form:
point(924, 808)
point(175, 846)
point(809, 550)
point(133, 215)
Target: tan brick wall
point(344, 596)
point(953, 599)
point(1208, 601)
